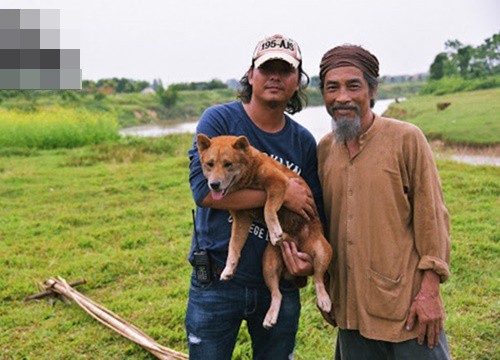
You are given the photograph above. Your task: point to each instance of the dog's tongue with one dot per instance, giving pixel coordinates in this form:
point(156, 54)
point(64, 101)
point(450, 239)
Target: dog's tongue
point(217, 194)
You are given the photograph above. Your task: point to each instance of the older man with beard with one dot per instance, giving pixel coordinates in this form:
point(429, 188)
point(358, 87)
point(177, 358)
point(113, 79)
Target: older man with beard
point(386, 221)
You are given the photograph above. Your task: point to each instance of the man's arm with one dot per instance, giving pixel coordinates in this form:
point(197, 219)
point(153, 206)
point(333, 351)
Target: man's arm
point(431, 221)
point(297, 200)
point(432, 239)
point(428, 308)
point(239, 200)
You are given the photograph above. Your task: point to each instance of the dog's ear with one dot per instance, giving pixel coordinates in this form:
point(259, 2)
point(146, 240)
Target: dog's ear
point(203, 142)
point(241, 143)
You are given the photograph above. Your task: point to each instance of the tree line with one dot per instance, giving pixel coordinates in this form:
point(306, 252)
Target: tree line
point(467, 61)
point(123, 85)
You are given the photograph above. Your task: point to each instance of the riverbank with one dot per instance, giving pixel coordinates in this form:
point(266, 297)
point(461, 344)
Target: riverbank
point(137, 109)
point(470, 119)
point(130, 109)
point(473, 155)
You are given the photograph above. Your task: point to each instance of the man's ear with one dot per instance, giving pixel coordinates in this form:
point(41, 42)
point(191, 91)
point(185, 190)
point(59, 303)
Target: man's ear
point(241, 143)
point(250, 76)
point(203, 142)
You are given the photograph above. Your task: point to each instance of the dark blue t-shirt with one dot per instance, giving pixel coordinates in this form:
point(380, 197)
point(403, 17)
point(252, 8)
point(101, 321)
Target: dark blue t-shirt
point(293, 146)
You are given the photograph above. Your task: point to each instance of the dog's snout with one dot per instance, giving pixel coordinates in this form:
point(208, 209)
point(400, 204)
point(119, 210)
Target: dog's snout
point(215, 185)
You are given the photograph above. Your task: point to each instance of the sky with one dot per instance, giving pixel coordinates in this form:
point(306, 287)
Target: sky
point(199, 40)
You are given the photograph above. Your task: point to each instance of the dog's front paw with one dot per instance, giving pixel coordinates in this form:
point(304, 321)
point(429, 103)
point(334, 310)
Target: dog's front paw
point(276, 237)
point(271, 319)
point(227, 274)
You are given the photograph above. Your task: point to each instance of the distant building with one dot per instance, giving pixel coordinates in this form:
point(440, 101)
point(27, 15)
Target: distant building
point(148, 90)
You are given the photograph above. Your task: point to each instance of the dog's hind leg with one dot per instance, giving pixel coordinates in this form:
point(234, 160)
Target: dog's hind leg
point(275, 197)
point(314, 243)
point(239, 234)
point(272, 267)
point(322, 255)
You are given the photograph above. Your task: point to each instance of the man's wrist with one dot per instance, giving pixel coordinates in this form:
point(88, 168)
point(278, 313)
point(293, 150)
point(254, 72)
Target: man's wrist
point(430, 283)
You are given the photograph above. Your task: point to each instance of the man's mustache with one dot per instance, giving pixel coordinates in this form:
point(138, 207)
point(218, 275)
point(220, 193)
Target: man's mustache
point(345, 107)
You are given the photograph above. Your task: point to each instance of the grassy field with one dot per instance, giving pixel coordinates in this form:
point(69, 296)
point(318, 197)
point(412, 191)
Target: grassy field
point(56, 127)
point(452, 85)
point(119, 215)
point(130, 109)
point(473, 118)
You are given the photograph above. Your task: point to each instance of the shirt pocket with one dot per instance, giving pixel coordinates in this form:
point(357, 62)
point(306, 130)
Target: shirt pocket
point(387, 298)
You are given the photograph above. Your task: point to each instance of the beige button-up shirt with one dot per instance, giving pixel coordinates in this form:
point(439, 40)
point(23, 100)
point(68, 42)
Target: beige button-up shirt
point(387, 222)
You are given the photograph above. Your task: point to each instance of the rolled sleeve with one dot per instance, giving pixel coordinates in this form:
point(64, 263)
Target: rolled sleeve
point(435, 264)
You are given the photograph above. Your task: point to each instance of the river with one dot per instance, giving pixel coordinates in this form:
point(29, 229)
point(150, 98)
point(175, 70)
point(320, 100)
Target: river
point(314, 118)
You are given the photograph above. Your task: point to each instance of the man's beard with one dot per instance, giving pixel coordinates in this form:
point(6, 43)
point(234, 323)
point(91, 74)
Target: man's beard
point(344, 128)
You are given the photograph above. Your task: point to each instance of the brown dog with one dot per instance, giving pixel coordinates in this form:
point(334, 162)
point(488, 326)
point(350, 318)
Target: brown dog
point(230, 164)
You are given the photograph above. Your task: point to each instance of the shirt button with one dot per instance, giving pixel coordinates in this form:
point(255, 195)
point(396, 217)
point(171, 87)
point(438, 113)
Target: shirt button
point(350, 192)
point(350, 242)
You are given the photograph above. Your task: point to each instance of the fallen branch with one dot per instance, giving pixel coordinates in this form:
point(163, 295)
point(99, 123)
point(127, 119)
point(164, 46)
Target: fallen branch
point(50, 292)
point(113, 321)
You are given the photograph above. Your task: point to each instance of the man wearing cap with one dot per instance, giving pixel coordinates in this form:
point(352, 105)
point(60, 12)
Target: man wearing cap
point(273, 84)
point(386, 221)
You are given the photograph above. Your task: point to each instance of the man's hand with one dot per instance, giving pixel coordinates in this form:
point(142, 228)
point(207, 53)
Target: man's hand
point(297, 263)
point(428, 308)
point(298, 199)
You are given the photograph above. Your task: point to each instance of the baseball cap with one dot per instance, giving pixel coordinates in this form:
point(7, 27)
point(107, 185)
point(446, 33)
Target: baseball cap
point(277, 47)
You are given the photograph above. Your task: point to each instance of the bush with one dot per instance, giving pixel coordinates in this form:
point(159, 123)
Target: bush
point(99, 96)
point(168, 98)
point(69, 95)
point(450, 85)
point(56, 127)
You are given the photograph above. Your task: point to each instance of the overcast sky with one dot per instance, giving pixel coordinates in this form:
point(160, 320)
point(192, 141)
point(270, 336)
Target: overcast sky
point(197, 40)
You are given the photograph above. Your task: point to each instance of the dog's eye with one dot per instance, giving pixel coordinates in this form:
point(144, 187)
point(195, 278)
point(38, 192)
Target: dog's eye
point(210, 164)
point(227, 164)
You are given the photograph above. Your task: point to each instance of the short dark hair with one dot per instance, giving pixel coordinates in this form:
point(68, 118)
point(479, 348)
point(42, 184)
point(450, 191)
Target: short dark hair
point(372, 86)
point(295, 104)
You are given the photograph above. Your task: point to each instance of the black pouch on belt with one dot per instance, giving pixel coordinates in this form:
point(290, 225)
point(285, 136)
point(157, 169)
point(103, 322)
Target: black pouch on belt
point(202, 267)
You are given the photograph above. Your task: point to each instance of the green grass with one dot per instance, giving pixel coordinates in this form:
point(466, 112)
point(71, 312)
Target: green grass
point(473, 118)
point(130, 109)
point(399, 90)
point(452, 85)
point(56, 127)
point(119, 215)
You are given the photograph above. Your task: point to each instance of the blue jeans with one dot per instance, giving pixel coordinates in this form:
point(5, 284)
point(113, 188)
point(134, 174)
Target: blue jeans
point(215, 313)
